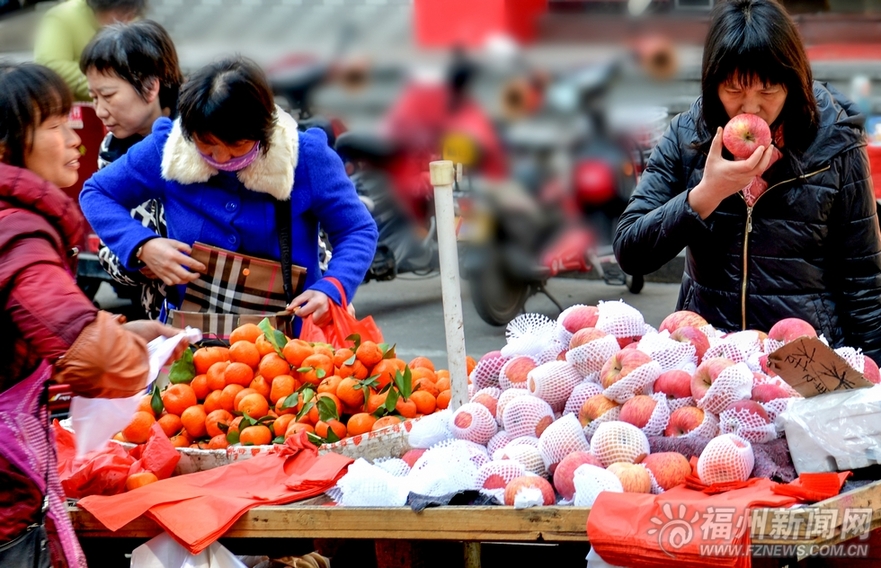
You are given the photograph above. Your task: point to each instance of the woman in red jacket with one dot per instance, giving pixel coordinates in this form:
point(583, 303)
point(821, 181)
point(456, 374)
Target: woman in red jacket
point(49, 331)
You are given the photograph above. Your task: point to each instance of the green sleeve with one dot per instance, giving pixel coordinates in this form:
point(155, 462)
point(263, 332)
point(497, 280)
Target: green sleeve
point(54, 48)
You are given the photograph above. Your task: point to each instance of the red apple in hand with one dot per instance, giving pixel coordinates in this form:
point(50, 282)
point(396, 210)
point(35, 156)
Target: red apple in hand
point(594, 407)
point(622, 364)
point(674, 384)
point(706, 373)
point(638, 410)
point(581, 317)
point(691, 334)
point(744, 133)
point(790, 329)
point(682, 318)
point(684, 420)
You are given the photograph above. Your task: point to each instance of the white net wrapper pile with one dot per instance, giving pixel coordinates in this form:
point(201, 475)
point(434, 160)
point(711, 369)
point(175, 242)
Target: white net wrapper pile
point(560, 439)
point(395, 466)
point(489, 397)
point(526, 454)
point(619, 442)
point(776, 407)
point(367, 485)
point(496, 475)
point(638, 381)
point(506, 397)
point(431, 429)
point(656, 488)
point(620, 319)
point(676, 403)
point(579, 396)
point(853, 357)
point(514, 372)
point(748, 425)
point(659, 418)
point(737, 346)
point(497, 442)
point(733, 383)
point(486, 372)
point(610, 415)
point(669, 353)
point(590, 481)
point(553, 382)
point(527, 416)
point(726, 458)
point(531, 334)
point(709, 427)
point(590, 357)
point(473, 422)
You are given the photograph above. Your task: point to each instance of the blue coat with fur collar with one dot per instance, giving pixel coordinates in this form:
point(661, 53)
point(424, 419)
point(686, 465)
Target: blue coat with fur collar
point(235, 210)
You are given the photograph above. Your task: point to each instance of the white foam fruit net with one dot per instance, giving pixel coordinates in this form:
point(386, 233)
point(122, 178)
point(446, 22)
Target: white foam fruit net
point(590, 357)
point(676, 403)
point(563, 334)
point(659, 418)
point(726, 458)
point(737, 346)
point(431, 429)
point(486, 372)
point(506, 397)
point(590, 481)
point(367, 485)
point(733, 383)
point(489, 397)
point(620, 319)
point(560, 439)
point(553, 382)
point(497, 474)
point(497, 442)
point(656, 488)
point(853, 357)
point(619, 442)
point(610, 415)
point(709, 427)
point(513, 373)
point(530, 334)
point(668, 352)
point(582, 391)
point(526, 454)
point(527, 416)
point(449, 467)
point(748, 425)
point(473, 422)
point(394, 466)
point(638, 381)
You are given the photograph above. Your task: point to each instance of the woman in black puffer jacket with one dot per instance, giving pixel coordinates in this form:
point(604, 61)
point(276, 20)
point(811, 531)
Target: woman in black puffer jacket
point(809, 245)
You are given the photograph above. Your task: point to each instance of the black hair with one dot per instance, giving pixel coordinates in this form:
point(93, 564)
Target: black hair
point(229, 100)
point(139, 53)
point(29, 95)
point(756, 41)
point(135, 7)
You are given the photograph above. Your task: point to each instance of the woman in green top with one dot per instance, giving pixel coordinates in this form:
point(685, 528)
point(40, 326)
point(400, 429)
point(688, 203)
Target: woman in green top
point(66, 29)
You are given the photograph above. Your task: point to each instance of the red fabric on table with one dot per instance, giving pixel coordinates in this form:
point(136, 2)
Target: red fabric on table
point(813, 487)
point(197, 508)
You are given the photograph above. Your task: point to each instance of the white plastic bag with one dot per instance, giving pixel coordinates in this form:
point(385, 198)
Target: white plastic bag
point(96, 420)
point(164, 552)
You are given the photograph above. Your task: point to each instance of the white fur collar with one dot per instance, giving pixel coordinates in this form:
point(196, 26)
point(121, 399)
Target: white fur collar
point(272, 172)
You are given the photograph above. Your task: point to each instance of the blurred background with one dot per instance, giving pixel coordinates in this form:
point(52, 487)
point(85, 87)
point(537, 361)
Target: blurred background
point(553, 107)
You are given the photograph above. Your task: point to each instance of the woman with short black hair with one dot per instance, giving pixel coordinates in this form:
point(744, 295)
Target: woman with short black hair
point(804, 241)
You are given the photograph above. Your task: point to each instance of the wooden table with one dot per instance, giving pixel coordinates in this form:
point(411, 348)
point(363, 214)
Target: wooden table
point(311, 520)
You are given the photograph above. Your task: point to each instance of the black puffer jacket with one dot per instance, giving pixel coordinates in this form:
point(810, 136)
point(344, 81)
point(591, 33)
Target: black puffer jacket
point(808, 248)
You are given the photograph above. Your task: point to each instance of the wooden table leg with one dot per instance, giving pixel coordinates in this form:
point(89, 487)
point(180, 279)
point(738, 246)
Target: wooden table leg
point(472, 555)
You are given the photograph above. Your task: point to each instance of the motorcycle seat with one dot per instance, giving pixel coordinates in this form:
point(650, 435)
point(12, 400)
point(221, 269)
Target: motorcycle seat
point(364, 146)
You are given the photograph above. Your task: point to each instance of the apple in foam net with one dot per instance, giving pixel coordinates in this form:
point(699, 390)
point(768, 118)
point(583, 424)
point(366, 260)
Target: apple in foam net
point(529, 488)
point(750, 406)
point(706, 374)
point(634, 478)
point(594, 407)
point(684, 420)
point(638, 410)
point(586, 335)
point(682, 318)
point(768, 392)
point(564, 475)
point(675, 383)
point(669, 468)
point(581, 317)
point(744, 133)
point(517, 370)
point(870, 370)
point(622, 364)
point(790, 329)
point(691, 334)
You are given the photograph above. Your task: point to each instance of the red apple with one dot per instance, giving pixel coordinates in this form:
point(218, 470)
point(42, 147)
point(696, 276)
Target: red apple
point(768, 392)
point(586, 335)
point(684, 420)
point(634, 478)
point(529, 490)
point(870, 370)
point(622, 364)
point(750, 406)
point(790, 329)
point(628, 342)
point(581, 317)
point(766, 367)
point(682, 318)
point(638, 410)
point(675, 384)
point(706, 373)
point(517, 369)
point(696, 337)
point(564, 475)
point(412, 455)
point(488, 401)
point(594, 407)
point(669, 468)
point(744, 133)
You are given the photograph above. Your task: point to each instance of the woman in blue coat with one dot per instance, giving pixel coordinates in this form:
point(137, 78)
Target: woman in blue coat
point(219, 169)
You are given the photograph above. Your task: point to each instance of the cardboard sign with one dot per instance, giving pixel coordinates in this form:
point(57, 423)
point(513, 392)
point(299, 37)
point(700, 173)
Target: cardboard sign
point(812, 368)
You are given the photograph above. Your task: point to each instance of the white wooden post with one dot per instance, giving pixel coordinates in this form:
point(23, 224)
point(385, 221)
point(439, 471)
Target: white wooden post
point(442, 174)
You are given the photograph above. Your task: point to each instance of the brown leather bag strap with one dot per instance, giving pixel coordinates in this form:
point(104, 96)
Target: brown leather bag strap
point(283, 226)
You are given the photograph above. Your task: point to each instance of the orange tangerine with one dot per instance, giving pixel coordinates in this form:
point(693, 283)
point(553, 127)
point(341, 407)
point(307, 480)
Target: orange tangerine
point(282, 387)
point(140, 479)
point(258, 435)
point(244, 352)
point(178, 398)
point(212, 401)
point(247, 332)
point(424, 401)
point(261, 385)
point(271, 366)
point(238, 374)
point(200, 386)
point(216, 380)
point(295, 351)
point(228, 397)
point(206, 356)
point(215, 419)
point(386, 421)
point(360, 423)
point(254, 405)
point(138, 430)
point(170, 424)
point(322, 428)
point(193, 420)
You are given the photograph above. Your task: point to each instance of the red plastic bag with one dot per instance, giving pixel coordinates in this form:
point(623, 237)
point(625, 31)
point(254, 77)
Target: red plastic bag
point(341, 325)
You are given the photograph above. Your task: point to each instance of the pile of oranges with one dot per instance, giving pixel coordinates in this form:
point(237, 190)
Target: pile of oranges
point(265, 387)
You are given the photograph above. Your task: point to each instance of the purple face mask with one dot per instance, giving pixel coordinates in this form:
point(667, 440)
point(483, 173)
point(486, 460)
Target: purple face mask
point(234, 164)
